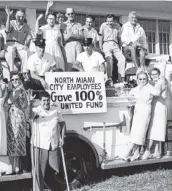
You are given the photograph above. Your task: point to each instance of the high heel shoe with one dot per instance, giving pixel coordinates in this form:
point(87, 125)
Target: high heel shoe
point(135, 157)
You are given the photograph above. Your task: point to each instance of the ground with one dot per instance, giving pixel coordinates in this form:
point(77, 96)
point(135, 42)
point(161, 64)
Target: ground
point(152, 178)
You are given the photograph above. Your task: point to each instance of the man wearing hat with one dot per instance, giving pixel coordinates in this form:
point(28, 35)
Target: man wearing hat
point(39, 63)
point(90, 60)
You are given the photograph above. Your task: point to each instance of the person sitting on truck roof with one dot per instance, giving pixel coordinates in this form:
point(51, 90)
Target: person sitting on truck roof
point(48, 132)
point(109, 44)
point(39, 63)
point(18, 39)
point(143, 94)
point(72, 37)
point(89, 31)
point(157, 126)
point(90, 60)
point(133, 39)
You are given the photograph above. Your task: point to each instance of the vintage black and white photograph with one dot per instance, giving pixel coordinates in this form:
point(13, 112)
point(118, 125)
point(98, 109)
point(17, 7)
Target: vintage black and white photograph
point(85, 95)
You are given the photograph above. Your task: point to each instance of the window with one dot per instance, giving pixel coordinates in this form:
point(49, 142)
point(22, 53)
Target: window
point(99, 19)
point(164, 33)
point(150, 29)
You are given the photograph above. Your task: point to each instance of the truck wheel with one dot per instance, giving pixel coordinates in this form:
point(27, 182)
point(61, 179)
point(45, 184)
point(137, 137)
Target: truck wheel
point(79, 164)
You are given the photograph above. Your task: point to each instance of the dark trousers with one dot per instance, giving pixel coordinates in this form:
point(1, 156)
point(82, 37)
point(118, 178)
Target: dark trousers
point(40, 159)
point(136, 52)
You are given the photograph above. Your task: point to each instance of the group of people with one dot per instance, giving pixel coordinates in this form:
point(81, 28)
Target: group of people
point(150, 116)
point(68, 46)
point(73, 46)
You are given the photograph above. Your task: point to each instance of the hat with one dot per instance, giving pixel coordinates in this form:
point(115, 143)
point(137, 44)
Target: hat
point(40, 42)
point(38, 39)
point(87, 41)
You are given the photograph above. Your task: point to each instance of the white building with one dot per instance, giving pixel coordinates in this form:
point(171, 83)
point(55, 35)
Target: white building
point(154, 16)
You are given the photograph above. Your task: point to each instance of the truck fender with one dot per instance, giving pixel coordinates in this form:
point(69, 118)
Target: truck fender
point(74, 134)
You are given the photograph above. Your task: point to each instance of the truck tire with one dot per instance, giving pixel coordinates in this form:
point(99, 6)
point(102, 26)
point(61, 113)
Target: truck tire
point(79, 163)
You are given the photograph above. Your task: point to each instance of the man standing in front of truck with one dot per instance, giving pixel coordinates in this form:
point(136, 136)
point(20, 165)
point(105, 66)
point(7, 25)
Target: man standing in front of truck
point(48, 132)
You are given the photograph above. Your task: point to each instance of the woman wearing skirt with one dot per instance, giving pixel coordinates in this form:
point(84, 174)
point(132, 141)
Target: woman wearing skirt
point(143, 94)
point(157, 127)
point(3, 130)
point(52, 34)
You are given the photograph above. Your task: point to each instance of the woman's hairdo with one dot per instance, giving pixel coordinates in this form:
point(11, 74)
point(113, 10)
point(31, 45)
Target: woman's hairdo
point(142, 72)
point(157, 70)
point(51, 13)
point(59, 15)
point(15, 73)
point(44, 94)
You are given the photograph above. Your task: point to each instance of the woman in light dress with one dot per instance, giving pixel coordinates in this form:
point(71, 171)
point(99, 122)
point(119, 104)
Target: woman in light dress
point(3, 130)
point(143, 94)
point(157, 127)
point(52, 34)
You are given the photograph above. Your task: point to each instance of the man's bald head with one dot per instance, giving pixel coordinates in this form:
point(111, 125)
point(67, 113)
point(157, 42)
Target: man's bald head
point(70, 14)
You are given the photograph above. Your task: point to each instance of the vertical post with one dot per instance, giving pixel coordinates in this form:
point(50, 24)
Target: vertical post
point(104, 142)
point(170, 43)
point(157, 45)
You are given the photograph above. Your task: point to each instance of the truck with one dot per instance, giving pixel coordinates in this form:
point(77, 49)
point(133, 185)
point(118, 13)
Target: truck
point(98, 140)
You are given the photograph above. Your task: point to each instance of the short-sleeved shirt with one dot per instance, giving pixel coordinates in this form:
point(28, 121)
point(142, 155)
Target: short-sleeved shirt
point(40, 66)
point(109, 34)
point(91, 34)
point(73, 27)
point(46, 131)
point(91, 63)
point(19, 33)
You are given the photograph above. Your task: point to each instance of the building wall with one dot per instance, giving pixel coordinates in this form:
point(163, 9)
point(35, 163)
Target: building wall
point(32, 7)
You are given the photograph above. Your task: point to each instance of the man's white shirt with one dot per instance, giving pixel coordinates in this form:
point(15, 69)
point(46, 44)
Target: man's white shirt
point(40, 66)
point(91, 63)
point(45, 129)
point(135, 36)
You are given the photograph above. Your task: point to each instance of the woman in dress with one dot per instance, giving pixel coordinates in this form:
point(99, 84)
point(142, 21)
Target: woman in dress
point(3, 134)
point(143, 95)
point(16, 123)
point(157, 127)
point(52, 34)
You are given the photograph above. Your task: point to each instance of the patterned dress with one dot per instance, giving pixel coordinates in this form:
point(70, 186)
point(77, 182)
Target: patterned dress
point(16, 128)
point(3, 134)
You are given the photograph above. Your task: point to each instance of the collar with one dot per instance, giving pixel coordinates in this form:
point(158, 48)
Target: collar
point(84, 27)
point(17, 24)
point(67, 22)
point(128, 24)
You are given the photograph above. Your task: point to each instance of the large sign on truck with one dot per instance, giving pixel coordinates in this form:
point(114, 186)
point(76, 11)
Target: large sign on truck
point(77, 92)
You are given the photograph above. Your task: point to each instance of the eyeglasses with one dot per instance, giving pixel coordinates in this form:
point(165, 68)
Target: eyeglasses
point(70, 14)
point(142, 78)
point(15, 79)
point(154, 74)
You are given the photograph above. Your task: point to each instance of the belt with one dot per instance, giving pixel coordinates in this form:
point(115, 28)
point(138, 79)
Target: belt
point(110, 41)
point(13, 41)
